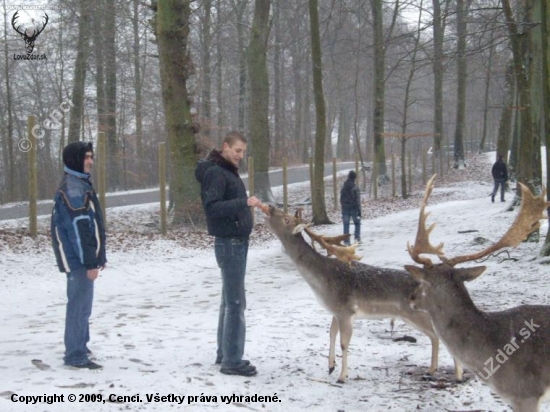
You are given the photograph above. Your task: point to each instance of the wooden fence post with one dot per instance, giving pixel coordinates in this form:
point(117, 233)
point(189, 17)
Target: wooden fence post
point(102, 172)
point(335, 183)
point(251, 184)
point(285, 184)
point(162, 186)
point(33, 178)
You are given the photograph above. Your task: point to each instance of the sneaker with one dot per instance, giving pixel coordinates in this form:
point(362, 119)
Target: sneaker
point(219, 361)
point(88, 365)
point(241, 370)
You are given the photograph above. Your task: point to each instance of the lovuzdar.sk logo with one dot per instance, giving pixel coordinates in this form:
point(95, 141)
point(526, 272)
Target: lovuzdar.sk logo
point(29, 34)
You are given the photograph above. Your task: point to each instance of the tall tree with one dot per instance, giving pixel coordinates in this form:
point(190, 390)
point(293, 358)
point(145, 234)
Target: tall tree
point(7, 138)
point(259, 98)
point(545, 32)
point(528, 170)
point(113, 166)
point(439, 18)
point(462, 7)
point(172, 32)
point(83, 49)
point(206, 115)
point(138, 89)
point(379, 89)
point(318, 196)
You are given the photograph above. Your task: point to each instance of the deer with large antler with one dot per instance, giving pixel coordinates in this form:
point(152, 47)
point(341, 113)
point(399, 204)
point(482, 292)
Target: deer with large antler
point(509, 350)
point(350, 290)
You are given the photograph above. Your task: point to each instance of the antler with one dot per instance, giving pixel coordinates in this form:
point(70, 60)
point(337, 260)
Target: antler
point(37, 32)
point(527, 221)
point(422, 242)
point(13, 19)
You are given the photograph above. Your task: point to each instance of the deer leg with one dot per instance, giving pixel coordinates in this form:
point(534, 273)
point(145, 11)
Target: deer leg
point(525, 405)
point(332, 348)
point(458, 370)
point(346, 330)
point(435, 353)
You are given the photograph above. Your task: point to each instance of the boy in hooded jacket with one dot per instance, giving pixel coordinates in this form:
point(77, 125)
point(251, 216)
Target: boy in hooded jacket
point(78, 240)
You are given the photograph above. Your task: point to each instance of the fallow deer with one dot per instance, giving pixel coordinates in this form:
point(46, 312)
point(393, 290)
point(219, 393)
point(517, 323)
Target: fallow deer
point(351, 291)
point(509, 350)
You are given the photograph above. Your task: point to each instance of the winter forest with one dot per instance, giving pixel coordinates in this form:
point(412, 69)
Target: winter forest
point(346, 79)
point(402, 89)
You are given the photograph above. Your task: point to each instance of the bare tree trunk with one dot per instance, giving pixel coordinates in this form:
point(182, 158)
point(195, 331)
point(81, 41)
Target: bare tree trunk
point(379, 91)
point(259, 98)
point(506, 115)
point(462, 7)
point(8, 156)
point(277, 92)
point(206, 112)
point(219, 72)
point(545, 19)
point(319, 208)
point(99, 44)
point(438, 31)
point(113, 167)
point(83, 46)
point(240, 8)
point(172, 31)
point(138, 89)
point(528, 169)
point(487, 88)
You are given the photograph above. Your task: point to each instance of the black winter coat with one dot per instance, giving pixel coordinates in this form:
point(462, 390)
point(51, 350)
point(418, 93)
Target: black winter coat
point(499, 170)
point(224, 197)
point(350, 197)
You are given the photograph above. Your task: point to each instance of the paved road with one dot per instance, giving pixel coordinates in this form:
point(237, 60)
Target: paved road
point(295, 175)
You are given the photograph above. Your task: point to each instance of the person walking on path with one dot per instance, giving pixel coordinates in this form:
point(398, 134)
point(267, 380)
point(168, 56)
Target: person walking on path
point(78, 240)
point(229, 219)
point(350, 200)
point(500, 175)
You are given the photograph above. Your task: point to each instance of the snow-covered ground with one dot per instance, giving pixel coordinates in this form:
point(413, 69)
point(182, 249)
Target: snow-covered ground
point(156, 306)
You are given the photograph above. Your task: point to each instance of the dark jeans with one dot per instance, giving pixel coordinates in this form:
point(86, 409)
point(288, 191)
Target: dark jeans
point(80, 295)
point(354, 215)
point(231, 254)
point(502, 183)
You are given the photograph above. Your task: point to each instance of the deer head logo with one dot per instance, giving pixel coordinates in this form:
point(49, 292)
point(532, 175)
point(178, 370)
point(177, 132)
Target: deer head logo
point(29, 38)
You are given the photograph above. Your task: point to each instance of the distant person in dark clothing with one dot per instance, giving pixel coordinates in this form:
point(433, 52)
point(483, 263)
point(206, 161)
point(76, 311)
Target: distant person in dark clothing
point(350, 199)
point(229, 218)
point(500, 174)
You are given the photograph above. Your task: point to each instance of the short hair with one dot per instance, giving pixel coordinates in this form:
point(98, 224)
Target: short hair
point(231, 137)
point(352, 175)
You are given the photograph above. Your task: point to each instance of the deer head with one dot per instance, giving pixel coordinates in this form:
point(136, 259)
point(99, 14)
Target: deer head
point(29, 39)
point(286, 226)
point(430, 275)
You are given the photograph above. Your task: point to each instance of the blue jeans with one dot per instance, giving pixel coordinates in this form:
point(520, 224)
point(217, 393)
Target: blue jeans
point(231, 254)
point(80, 295)
point(354, 215)
point(502, 183)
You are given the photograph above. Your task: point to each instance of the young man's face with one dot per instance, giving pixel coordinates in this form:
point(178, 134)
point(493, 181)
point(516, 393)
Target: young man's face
point(88, 162)
point(235, 153)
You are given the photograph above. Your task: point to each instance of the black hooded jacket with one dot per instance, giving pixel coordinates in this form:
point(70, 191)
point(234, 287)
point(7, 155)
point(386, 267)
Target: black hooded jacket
point(350, 197)
point(499, 170)
point(224, 197)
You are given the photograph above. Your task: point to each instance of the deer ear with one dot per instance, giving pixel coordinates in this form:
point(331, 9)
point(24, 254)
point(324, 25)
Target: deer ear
point(468, 274)
point(417, 273)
